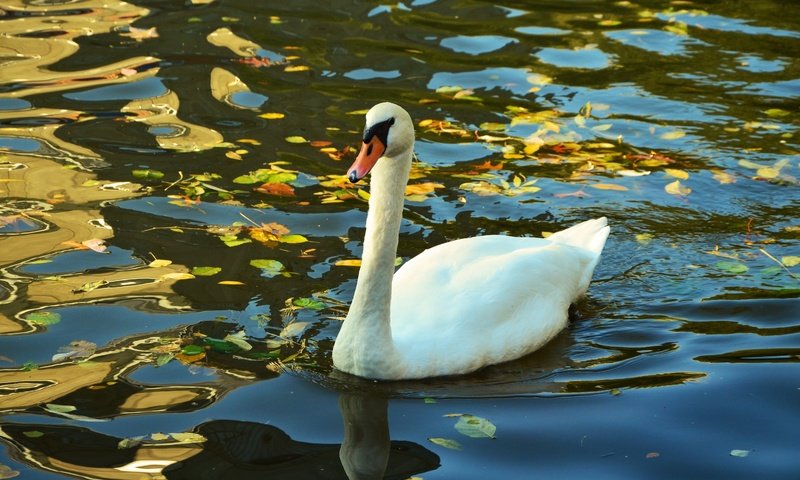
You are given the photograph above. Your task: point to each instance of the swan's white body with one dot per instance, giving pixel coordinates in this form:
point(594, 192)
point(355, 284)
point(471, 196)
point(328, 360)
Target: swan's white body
point(461, 305)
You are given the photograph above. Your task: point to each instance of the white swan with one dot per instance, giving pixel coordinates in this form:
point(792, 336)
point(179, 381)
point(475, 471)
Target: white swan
point(458, 306)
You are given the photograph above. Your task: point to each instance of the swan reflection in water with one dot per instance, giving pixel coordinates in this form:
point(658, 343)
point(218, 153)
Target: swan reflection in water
point(232, 449)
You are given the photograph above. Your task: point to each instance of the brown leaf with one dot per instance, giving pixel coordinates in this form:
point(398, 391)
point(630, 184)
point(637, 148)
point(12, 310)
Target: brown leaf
point(277, 189)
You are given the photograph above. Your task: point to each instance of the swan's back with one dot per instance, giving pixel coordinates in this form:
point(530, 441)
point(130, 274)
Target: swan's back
point(478, 301)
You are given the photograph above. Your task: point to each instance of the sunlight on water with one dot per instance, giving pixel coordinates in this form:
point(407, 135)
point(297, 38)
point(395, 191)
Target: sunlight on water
point(179, 245)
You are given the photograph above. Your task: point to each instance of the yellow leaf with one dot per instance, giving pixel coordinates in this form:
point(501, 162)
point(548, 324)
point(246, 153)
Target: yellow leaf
point(609, 186)
point(176, 276)
point(675, 188)
point(230, 282)
point(673, 135)
point(349, 262)
point(673, 172)
point(790, 261)
point(296, 139)
point(723, 177)
point(768, 172)
point(159, 263)
point(272, 115)
point(644, 238)
point(296, 68)
point(233, 155)
point(358, 112)
point(422, 188)
point(251, 141)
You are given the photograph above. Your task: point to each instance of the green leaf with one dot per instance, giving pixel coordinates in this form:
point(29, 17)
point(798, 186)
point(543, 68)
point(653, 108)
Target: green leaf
point(43, 318)
point(148, 174)
point(164, 359)
point(734, 268)
point(269, 268)
point(56, 408)
point(221, 345)
point(233, 240)
point(740, 453)
point(445, 442)
point(292, 238)
point(245, 179)
point(33, 434)
point(475, 427)
point(309, 303)
point(205, 271)
point(192, 350)
point(429, 400)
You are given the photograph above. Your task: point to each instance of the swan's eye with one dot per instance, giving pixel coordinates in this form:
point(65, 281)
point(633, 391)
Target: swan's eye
point(380, 129)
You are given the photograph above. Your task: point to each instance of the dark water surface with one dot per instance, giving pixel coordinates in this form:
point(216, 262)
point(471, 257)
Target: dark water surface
point(177, 237)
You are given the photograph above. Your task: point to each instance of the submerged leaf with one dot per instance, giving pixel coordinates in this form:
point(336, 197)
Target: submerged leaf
point(269, 268)
point(732, 267)
point(475, 427)
point(445, 442)
point(43, 318)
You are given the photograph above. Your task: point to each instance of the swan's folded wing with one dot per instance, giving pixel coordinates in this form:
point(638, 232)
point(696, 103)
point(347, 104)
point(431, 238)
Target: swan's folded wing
point(486, 299)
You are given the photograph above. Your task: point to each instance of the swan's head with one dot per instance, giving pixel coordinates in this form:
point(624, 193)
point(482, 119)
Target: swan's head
point(389, 132)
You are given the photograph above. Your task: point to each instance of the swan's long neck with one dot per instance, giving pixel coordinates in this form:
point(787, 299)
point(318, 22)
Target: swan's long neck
point(365, 340)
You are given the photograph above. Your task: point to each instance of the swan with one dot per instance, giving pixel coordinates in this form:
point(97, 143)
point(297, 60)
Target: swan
point(458, 306)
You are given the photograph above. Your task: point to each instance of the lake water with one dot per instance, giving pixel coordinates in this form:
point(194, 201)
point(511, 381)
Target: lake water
point(178, 244)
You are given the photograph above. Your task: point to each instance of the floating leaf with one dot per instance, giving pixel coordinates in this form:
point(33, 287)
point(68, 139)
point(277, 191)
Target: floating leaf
point(188, 437)
point(269, 268)
point(272, 115)
point(43, 318)
point(475, 427)
point(233, 240)
point(740, 453)
point(296, 68)
point(732, 267)
point(445, 442)
point(164, 359)
point(230, 282)
point(296, 139)
point(309, 303)
point(790, 260)
point(293, 329)
point(205, 271)
point(723, 177)
point(89, 286)
point(673, 135)
point(675, 188)
point(192, 350)
point(674, 172)
point(7, 472)
point(33, 434)
point(277, 189)
point(644, 238)
point(609, 186)
point(348, 262)
point(148, 174)
point(292, 238)
point(777, 112)
point(157, 263)
point(57, 408)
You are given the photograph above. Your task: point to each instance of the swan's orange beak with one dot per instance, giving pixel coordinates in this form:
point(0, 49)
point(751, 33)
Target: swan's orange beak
point(370, 152)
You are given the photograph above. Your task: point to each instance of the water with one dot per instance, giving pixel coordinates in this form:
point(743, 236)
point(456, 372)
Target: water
point(142, 143)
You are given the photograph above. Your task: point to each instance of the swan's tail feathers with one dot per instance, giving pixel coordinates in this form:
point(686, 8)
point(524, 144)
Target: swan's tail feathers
point(591, 235)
